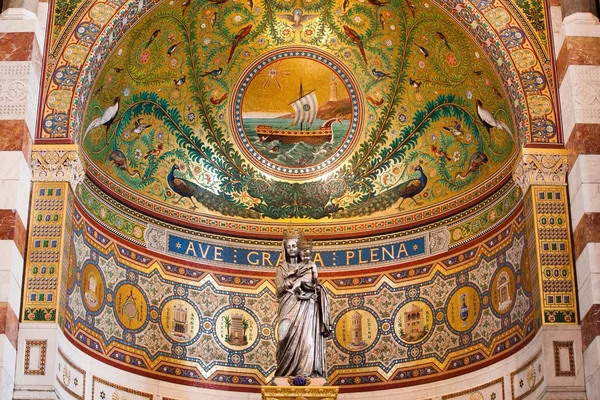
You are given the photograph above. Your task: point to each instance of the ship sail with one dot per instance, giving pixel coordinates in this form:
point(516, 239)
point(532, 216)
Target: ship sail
point(306, 108)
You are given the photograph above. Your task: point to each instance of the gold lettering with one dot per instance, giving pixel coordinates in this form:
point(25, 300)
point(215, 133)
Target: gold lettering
point(360, 259)
point(251, 259)
point(402, 250)
point(279, 259)
point(349, 255)
point(389, 251)
point(375, 255)
point(318, 260)
point(266, 258)
point(191, 248)
point(204, 252)
point(218, 254)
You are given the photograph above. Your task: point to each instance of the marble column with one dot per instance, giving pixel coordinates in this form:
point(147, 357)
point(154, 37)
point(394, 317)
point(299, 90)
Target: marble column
point(578, 63)
point(21, 36)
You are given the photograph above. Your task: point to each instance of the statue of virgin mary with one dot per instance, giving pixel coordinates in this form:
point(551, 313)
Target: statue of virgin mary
point(304, 320)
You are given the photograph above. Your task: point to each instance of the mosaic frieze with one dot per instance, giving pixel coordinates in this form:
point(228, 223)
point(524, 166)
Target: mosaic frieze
point(385, 249)
point(393, 326)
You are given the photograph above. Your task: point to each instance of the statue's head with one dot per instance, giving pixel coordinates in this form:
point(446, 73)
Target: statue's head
point(305, 246)
point(291, 239)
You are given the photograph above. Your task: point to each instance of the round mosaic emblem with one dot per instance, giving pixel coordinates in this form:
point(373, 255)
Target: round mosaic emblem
point(296, 112)
point(463, 308)
point(503, 290)
point(131, 306)
point(236, 329)
point(356, 330)
point(413, 321)
point(180, 320)
point(92, 286)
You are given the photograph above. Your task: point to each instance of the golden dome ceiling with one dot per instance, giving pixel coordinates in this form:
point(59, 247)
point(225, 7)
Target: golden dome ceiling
point(322, 113)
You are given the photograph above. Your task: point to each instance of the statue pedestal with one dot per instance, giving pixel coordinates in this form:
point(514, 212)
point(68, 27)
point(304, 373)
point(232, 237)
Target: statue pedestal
point(299, 392)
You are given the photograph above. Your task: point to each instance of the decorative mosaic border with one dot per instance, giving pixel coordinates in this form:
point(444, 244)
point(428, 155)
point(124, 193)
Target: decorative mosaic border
point(478, 388)
point(557, 364)
point(525, 366)
point(42, 344)
point(95, 379)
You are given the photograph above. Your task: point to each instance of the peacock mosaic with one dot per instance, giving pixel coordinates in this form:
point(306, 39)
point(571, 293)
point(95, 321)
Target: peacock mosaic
point(395, 325)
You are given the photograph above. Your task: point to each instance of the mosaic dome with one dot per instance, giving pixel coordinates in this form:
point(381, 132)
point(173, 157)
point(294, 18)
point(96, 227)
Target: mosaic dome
point(336, 116)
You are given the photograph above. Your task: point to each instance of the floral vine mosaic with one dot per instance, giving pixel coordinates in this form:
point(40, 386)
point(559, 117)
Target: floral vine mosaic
point(184, 118)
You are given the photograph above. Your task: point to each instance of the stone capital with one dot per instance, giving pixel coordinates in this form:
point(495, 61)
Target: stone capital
point(52, 163)
point(547, 167)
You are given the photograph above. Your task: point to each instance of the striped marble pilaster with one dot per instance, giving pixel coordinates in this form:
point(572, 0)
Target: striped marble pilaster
point(578, 64)
point(20, 67)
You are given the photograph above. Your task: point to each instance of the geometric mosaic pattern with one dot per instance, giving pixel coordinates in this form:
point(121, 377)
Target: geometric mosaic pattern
point(419, 321)
point(548, 227)
point(45, 250)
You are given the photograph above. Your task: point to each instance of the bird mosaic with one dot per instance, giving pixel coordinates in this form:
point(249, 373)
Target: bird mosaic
point(107, 118)
point(183, 187)
point(416, 101)
point(237, 39)
point(297, 18)
point(412, 187)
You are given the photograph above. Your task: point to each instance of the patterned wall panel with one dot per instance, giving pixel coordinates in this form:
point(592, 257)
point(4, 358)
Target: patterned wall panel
point(548, 227)
point(102, 389)
point(139, 311)
point(70, 377)
point(527, 378)
point(564, 358)
point(493, 390)
point(35, 357)
point(45, 254)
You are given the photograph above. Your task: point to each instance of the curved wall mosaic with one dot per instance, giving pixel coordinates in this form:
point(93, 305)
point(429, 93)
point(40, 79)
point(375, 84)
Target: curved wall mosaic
point(395, 85)
point(214, 325)
point(309, 113)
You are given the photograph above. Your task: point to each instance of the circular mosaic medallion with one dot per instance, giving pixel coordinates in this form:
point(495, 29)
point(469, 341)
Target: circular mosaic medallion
point(180, 320)
point(296, 112)
point(131, 306)
point(356, 330)
point(236, 329)
point(503, 290)
point(463, 308)
point(413, 321)
point(92, 288)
